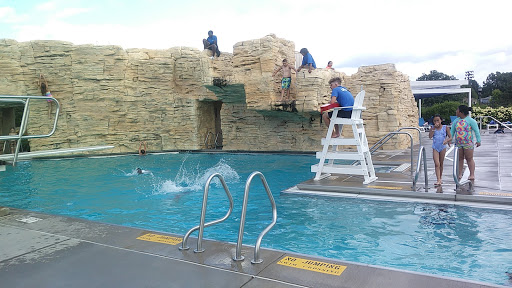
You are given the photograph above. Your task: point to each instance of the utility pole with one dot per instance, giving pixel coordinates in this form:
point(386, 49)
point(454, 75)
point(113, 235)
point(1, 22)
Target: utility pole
point(469, 75)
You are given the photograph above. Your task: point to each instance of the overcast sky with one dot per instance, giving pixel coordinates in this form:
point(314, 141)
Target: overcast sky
point(450, 36)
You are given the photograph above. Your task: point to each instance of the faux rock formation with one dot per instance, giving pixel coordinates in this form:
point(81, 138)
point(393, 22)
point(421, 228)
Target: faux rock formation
point(112, 96)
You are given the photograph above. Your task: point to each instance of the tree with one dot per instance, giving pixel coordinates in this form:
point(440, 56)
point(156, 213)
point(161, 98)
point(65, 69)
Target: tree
point(497, 98)
point(501, 82)
point(435, 75)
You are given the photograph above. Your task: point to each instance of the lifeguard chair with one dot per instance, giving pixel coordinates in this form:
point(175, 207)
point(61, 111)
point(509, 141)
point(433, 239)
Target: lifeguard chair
point(362, 160)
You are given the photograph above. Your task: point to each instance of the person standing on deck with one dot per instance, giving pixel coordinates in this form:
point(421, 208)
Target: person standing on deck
point(464, 128)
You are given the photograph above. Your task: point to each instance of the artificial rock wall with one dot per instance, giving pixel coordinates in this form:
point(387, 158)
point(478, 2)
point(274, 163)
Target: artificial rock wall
point(112, 96)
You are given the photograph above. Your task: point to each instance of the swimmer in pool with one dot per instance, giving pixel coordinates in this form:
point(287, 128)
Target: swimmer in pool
point(141, 171)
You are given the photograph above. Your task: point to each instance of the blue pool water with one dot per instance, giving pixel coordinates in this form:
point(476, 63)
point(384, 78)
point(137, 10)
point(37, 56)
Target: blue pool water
point(446, 240)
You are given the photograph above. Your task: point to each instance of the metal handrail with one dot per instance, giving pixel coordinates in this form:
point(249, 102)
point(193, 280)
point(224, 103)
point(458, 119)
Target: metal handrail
point(386, 138)
point(24, 120)
point(238, 255)
point(458, 183)
point(480, 118)
point(206, 139)
point(202, 225)
point(421, 154)
point(217, 138)
point(412, 128)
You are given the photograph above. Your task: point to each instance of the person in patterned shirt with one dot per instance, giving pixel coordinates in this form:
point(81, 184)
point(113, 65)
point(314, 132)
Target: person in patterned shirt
point(464, 128)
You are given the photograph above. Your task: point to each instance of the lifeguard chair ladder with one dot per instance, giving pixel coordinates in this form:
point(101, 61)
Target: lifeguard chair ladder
point(363, 164)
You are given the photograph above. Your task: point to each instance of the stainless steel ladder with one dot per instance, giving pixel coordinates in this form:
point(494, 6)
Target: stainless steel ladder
point(238, 255)
point(202, 225)
point(421, 153)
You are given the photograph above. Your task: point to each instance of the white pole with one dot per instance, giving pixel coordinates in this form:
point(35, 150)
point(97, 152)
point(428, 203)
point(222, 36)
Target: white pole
point(419, 101)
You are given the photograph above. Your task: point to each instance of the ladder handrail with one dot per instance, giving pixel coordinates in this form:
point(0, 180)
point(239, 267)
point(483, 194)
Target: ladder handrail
point(24, 120)
point(458, 183)
point(389, 136)
point(217, 138)
point(412, 128)
point(206, 139)
point(238, 254)
point(202, 225)
point(421, 154)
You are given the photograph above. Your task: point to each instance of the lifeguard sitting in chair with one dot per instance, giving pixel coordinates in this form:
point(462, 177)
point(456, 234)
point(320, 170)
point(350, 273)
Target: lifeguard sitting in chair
point(343, 98)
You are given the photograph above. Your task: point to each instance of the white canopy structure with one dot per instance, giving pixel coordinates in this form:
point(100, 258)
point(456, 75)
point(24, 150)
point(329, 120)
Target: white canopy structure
point(427, 89)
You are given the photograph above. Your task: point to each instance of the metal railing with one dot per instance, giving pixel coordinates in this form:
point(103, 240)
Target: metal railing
point(206, 139)
point(238, 254)
point(388, 137)
point(24, 120)
point(215, 142)
point(202, 225)
point(481, 118)
point(456, 179)
point(421, 154)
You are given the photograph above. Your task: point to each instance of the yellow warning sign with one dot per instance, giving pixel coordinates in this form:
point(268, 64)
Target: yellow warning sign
point(495, 194)
point(385, 187)
point(311, 265)
point(160, 239)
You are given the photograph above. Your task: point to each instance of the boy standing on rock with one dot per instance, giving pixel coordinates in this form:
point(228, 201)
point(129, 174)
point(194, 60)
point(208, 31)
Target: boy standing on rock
point(287, 79)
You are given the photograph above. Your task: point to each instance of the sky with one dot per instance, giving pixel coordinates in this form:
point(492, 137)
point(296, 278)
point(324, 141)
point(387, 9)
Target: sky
point(450, 36)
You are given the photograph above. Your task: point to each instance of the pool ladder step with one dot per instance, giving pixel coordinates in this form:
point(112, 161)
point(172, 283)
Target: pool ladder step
point(238, 254)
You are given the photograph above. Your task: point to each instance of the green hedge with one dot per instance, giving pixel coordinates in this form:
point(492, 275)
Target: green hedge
point(502, 114)
point(445, 109)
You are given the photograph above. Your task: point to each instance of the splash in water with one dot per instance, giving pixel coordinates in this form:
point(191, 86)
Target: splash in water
point(193, 179)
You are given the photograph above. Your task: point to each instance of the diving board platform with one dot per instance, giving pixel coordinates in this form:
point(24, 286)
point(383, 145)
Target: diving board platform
point(45, 153)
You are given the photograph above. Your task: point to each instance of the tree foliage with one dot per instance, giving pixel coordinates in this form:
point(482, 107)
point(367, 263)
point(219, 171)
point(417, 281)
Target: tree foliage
point(436, 75)
point(499, 86)
point(445, 109)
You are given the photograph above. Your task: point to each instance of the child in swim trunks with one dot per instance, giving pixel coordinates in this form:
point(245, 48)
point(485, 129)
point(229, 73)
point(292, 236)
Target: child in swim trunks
point(440, 134)
point(287, 79)
point(464, 128)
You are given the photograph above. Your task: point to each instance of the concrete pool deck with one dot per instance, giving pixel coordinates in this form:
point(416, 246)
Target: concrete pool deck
point(493, 184)
point(41, 250)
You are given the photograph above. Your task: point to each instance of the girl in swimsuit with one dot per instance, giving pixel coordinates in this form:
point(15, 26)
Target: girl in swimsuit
point(440, 134)
point(463, 130)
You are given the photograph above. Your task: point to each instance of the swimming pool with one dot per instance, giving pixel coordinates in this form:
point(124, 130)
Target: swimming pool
point(449, 240)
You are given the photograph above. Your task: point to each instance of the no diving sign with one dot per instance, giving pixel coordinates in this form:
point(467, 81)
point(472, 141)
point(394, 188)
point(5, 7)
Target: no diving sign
point(311, 265)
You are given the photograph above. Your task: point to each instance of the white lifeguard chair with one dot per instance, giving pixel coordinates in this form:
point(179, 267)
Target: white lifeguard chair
point(362, 164)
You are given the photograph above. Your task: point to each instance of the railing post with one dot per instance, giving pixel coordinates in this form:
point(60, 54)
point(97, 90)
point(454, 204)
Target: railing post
point(22, 130)
point(202, 225)
point(238, 254)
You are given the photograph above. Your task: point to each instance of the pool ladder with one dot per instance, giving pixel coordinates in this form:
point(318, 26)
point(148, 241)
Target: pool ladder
point(238, 254)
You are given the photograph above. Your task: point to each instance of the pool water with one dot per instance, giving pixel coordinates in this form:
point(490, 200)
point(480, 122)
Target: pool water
point(447, 240)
